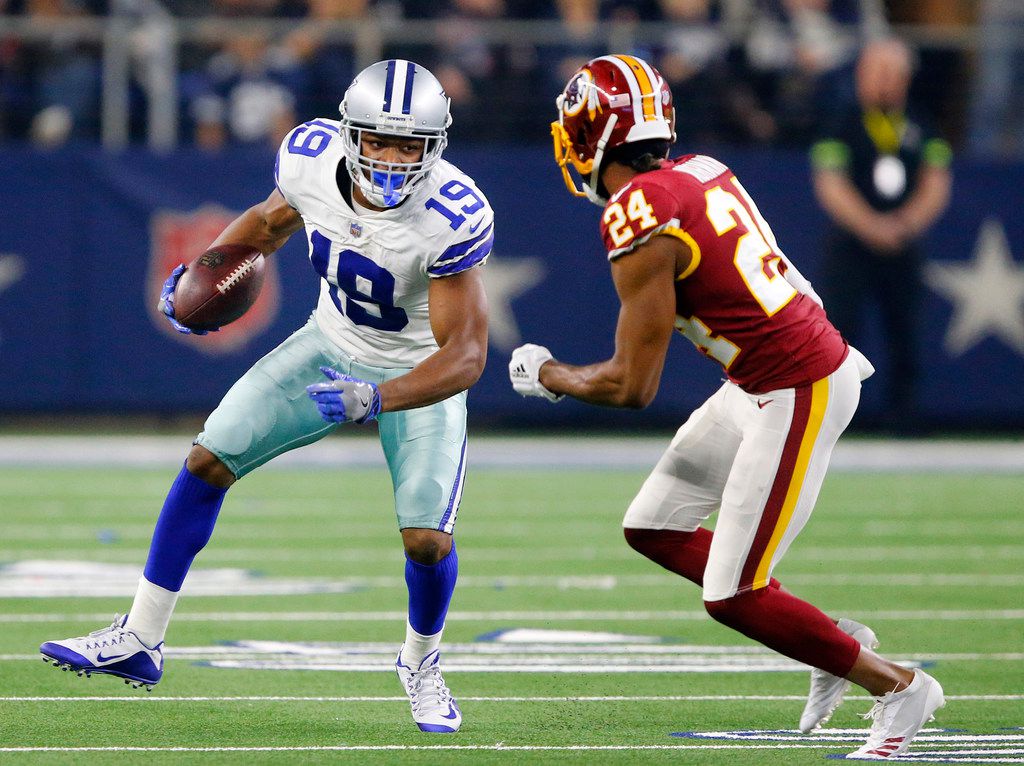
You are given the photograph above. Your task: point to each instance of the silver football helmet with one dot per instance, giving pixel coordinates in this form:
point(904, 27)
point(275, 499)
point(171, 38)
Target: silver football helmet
point(393, 98)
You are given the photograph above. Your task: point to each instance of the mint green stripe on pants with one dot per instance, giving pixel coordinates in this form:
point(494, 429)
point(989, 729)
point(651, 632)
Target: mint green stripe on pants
point(267, 413)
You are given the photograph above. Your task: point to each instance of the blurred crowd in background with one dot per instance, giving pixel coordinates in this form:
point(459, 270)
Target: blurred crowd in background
point(754, 72)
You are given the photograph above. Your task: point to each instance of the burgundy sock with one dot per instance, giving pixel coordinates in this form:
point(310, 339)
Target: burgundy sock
point(790, 626)
point(685, 553)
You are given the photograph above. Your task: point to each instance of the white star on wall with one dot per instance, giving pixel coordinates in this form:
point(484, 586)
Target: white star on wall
point(987, 293)
point(506, 280)
point(12, 268)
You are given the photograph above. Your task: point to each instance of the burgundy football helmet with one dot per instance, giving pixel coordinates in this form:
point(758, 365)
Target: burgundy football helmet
point(610, 101)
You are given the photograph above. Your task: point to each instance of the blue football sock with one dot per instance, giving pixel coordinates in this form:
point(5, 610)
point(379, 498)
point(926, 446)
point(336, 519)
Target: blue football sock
point(430, 591)
point(184, 527)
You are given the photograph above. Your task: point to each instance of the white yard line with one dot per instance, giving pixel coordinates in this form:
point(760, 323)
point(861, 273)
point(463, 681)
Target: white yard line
point(983, 755)
point(33, 584)
point(613, 549)
point(528, 616)
point(542, 452)
point(370, 748)
point(383, 658)
point(613, 698)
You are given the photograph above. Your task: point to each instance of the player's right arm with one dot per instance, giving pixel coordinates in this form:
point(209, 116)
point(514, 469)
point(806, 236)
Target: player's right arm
point(265, 226)
point(645, 282)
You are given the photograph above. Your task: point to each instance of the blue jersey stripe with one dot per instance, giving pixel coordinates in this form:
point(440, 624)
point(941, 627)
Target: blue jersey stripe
point(407, 100)
point(463, 247)
point(389, 84)
point(468, 261)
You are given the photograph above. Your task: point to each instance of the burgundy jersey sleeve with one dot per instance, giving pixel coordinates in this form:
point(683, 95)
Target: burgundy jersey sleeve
point(651, 204)
point(733, 301)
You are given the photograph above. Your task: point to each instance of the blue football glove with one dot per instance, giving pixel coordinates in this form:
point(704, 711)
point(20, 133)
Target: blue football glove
point(166, 304)
point(344, 398)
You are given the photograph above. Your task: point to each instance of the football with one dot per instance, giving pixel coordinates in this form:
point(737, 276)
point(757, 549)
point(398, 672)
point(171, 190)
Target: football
point(219, 286)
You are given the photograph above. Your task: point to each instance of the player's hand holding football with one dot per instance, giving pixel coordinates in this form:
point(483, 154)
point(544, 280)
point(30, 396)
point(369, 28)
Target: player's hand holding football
point(343, 398)
point(524, 371)
point(166, 304)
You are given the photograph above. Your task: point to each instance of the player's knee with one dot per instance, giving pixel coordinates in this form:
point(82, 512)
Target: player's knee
point(426, 546)
point(662, 546)
point(204, 465)
point(724, 611)
point(729, 611)
point(639, 540)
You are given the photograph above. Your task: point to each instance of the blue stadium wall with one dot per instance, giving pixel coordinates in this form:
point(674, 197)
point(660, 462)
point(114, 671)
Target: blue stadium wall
point(87, 237)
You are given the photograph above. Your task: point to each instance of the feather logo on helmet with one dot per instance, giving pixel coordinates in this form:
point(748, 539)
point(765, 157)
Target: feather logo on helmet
point(578, 93)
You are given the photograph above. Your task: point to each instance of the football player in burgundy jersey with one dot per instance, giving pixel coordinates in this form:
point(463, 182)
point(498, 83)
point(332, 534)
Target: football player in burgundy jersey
point(690, 251)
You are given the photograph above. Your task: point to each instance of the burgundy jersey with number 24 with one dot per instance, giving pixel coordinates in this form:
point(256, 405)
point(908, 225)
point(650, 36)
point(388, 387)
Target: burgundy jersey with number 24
point(733, 301)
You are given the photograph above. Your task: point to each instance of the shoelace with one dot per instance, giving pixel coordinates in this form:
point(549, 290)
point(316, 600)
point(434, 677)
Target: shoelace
point(427, 686)
point(115, 625)
point(878, 723)
point(875, 712)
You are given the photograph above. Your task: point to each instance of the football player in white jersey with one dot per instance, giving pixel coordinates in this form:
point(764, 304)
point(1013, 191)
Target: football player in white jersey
point(399, 334)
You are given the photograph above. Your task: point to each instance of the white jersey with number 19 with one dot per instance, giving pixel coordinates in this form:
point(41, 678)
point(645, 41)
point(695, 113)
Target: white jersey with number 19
point(375, 267)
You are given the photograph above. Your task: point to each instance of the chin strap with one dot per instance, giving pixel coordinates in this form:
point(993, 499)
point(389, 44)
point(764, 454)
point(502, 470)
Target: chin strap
point(591, 186)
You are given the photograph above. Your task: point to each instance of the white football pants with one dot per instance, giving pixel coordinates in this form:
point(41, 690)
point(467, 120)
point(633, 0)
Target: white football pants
point(760, 460)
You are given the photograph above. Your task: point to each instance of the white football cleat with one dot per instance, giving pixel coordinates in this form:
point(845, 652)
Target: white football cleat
point(110, 651)
point(433, 707)
point(898, 716)
point(827, 690)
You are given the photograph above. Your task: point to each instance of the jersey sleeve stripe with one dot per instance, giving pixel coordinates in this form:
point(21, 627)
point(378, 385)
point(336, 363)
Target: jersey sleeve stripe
point(470, 259)
point(830, 154)
point(455, 251)
point(937, 153)
point(634, 244)
point(694, 249)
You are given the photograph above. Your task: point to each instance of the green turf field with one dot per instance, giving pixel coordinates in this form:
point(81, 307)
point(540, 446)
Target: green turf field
point(932, 562)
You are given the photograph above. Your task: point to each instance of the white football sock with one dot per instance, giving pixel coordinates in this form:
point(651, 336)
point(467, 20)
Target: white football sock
point(417, 646)
point(151, 612)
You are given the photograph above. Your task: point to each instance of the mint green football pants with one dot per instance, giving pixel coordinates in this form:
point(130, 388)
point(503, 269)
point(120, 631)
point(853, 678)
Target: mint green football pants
point(267, 412)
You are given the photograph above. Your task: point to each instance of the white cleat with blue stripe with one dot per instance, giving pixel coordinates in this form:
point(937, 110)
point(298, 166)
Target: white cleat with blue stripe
point(110, 651)
point(433, 707)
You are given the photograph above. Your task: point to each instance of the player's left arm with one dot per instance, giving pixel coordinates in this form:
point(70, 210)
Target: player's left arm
point(458, 318)
point(931, 197)
point(645, 282)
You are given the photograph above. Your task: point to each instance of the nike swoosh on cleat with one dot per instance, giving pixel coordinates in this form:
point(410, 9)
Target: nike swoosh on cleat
point(452, 713)
point(101, 658)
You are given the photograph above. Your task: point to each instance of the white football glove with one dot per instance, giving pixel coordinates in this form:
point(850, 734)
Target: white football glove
point(524, 371)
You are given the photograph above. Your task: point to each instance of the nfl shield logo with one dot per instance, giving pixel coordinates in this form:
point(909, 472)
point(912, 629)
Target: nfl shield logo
point(355, 229)
point(179, 238)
